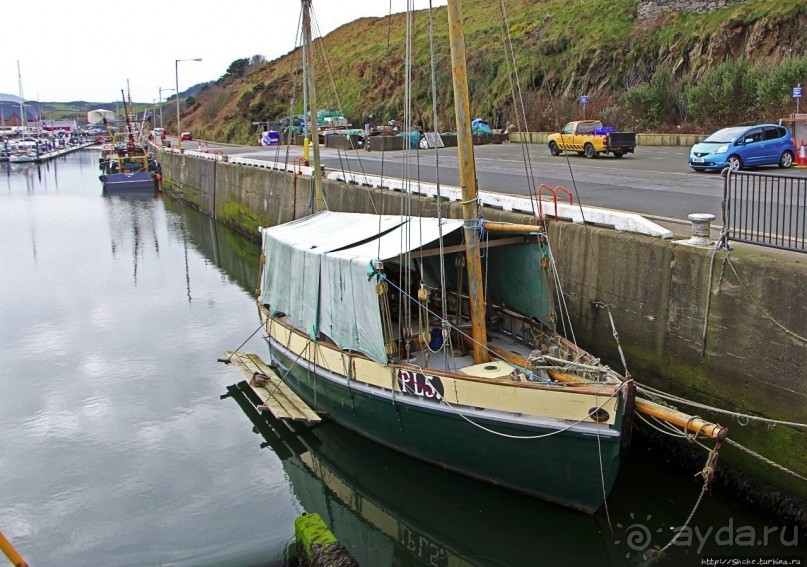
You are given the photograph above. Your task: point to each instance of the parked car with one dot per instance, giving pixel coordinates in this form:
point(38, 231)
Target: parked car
point(590, 138)
point(744, 146)
point(186, 136)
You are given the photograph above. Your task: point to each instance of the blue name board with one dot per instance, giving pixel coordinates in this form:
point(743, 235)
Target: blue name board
point(583, 99)
point(797, 92)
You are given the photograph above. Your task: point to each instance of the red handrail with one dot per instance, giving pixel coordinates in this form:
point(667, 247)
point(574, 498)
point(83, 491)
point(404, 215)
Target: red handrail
point(554, 192)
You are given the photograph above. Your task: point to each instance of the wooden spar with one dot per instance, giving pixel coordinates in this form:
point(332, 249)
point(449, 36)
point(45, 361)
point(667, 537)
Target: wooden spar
point(511, 227)
point(465, 150)
point(312, 99)
point(692, 424)
point(11, 553)
point(482, 246)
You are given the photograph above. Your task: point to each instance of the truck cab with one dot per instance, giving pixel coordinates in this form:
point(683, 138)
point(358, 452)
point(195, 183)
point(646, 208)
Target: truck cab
point(590, 138)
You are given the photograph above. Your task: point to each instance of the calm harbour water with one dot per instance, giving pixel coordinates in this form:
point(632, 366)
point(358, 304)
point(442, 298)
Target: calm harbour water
point(116, 448)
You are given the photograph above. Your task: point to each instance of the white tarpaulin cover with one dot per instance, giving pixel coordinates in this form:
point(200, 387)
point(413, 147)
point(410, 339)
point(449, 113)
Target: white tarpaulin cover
point(317, 271)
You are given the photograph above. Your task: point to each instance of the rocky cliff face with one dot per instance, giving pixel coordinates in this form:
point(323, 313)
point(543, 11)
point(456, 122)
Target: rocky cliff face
point(649, 8)
point(762, 42)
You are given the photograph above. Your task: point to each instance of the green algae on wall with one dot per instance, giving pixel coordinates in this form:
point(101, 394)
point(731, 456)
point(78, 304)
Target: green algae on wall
point(238, 216)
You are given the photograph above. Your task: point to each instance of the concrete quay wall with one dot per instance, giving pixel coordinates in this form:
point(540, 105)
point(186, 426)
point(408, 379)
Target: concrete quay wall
point(721, 330)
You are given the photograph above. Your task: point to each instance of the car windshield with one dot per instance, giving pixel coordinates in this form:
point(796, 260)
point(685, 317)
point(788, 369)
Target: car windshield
point(725, 135)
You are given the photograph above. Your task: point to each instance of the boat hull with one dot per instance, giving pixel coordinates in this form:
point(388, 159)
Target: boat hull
point(139, 183)
point(574, 466)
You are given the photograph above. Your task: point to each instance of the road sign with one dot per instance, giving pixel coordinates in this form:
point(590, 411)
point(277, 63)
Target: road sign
point(583, 99)
point(797, 92)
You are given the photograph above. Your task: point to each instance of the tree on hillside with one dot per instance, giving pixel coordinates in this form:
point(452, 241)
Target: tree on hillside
point(236, 69)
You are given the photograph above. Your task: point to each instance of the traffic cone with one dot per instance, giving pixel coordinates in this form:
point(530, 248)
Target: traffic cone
point(802, 159)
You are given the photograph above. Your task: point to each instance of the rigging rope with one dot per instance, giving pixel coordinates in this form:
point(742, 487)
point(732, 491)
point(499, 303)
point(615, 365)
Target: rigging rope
point(518, 104)
point(738, 416)
point(675, 433)
point(229, 358)
point(443, 280)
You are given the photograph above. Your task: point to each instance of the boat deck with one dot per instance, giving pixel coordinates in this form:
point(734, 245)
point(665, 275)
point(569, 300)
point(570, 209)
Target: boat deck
point(462, 355)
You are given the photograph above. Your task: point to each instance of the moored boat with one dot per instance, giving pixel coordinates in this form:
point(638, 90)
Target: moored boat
point(341, 340)
point(128, 170)
point(127, 167)
point(439, 338)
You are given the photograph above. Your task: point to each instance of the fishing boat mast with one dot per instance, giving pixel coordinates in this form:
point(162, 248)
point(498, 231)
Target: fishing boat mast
point(312, 99)
point(467, 181)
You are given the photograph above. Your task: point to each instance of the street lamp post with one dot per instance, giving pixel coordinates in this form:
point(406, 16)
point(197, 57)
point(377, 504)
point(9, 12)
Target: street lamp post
point(161, 103)
point(176, 76)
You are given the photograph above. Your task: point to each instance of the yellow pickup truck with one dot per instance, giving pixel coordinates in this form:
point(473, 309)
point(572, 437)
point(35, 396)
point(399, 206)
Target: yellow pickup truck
point(590, 138)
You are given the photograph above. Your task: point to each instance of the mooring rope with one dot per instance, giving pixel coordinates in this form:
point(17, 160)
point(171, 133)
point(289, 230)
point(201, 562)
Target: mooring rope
point(707, 473)
point(754, 299)
point(766, 460)
point(737, 415)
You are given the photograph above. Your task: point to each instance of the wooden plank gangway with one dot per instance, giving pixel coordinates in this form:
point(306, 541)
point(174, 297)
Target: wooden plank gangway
point(277, 397)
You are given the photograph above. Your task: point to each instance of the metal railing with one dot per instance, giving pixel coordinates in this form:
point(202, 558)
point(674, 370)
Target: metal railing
point(765, 209)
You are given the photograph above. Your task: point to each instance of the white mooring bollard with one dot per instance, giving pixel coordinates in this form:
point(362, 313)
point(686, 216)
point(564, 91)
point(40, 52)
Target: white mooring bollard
point(701, 228)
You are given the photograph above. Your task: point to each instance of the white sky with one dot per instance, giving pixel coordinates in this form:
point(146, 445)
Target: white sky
point(82, 50)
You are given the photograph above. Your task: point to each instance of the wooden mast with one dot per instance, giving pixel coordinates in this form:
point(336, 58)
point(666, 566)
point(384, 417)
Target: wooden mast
point(467, 180)
point(312, 99)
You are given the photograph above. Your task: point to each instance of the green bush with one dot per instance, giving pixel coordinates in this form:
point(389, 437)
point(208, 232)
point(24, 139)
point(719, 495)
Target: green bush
point(727, 94)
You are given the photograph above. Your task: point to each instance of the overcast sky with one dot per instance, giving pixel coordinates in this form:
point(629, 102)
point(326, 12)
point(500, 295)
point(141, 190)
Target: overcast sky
point(83, 50)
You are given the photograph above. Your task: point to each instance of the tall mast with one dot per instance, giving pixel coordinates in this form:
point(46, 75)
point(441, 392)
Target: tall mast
point(305, 88)
point(312, 99)
point(23, 116)
point(467, 180)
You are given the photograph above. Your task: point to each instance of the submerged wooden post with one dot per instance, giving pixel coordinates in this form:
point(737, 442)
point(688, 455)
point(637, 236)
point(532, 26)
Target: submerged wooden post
point(465, 149)
point(316, 545)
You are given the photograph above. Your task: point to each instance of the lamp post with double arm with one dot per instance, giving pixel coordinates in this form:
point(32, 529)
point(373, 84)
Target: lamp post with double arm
point(161, 103)
point(176, 75)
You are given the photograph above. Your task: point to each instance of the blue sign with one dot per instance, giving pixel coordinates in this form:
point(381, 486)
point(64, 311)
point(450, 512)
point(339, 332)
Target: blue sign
point(797, 92)
point(583, 99)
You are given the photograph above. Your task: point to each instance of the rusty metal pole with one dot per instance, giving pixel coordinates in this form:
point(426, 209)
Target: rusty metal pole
point(465, 149)
point(312, 99)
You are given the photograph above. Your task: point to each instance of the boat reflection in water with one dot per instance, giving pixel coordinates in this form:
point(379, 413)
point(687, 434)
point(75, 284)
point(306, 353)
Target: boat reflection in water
point(389, 509)
point(133, 221)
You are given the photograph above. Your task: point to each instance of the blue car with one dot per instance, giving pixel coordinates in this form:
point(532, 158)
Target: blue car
point(743, 146)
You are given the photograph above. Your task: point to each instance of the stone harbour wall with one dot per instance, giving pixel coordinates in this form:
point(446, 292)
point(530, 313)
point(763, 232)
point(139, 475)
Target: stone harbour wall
point(722, 331)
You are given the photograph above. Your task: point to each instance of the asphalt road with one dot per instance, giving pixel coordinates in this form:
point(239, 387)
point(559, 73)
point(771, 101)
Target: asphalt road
point(655, 181)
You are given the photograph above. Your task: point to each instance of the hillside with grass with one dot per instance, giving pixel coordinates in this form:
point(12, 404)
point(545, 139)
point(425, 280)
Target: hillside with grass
point(675, 71)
